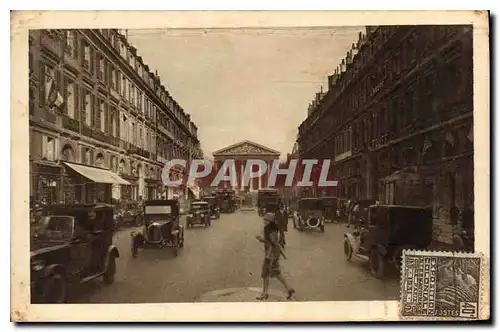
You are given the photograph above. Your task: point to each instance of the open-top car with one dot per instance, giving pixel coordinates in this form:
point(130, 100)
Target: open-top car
point(128, 213)
point(213, 205)
point(199, 214)
point(329, 207)
point(71, 244)
point(310, 214)
point(388, 230)
point(161, 227)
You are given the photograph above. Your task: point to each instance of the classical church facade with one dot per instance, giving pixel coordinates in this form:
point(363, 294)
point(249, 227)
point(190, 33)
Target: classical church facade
point(242, 152)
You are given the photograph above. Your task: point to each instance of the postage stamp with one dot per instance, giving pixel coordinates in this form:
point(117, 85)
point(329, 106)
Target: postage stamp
point(441, 285)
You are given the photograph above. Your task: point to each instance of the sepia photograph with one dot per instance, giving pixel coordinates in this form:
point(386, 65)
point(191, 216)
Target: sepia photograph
point(332, 164)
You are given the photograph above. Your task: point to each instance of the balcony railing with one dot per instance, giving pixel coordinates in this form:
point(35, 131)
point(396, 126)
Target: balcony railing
point(161, 159)
point(52, 43)
point(50, 116)
point(71, 124)
point(115, 141)
point(124, 145)
point(114, 93)
point(86, 131)
point(100, 136)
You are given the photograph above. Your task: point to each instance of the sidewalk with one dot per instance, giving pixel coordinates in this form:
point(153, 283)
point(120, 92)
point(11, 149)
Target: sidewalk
point(244, 294)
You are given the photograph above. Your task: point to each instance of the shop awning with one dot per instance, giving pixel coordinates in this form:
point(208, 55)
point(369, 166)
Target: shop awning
point(98, 175)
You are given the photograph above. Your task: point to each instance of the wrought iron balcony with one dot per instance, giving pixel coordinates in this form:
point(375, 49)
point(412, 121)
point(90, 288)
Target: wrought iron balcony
point(86, 131)
point(70, 123)
point(115, 141)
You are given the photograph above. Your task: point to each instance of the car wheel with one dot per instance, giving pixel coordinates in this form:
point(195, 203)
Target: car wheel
point(109, 275)
point(377, 263)
point(55, 289)
point(347, 250)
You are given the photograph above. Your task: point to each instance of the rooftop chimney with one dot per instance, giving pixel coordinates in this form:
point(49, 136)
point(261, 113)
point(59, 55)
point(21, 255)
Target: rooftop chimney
point(342, 66)
point(348, 58)
point(354, 50)
point(332, 79)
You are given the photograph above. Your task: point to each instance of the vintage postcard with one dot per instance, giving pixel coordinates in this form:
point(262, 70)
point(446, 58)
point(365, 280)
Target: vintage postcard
point(250, 166)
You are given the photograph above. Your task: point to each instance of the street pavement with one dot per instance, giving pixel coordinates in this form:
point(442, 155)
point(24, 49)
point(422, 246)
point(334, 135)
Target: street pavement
point(222, 263)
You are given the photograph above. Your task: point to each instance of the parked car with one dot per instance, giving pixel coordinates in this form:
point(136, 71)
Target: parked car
point(388, 230)
point(71, 244)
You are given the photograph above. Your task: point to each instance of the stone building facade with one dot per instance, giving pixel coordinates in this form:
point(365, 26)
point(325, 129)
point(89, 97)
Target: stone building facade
point(100, 120)
point(397, 120)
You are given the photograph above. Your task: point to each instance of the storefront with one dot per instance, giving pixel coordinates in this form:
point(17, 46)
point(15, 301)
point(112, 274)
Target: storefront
point(45, 182)
point(92, 184)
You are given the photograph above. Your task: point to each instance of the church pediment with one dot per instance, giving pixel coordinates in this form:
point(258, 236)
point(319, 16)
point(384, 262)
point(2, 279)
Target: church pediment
point(246, 148)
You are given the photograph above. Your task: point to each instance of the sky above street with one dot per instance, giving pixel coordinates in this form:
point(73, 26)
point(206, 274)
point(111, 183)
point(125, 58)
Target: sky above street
point(245, 84)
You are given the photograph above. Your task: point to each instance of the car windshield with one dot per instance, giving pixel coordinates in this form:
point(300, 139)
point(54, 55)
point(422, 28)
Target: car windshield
point(310, 205)
point(211, 200)
point(198, 207)
point(56, 228)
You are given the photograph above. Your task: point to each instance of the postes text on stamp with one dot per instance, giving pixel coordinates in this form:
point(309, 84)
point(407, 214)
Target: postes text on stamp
point(440, 285)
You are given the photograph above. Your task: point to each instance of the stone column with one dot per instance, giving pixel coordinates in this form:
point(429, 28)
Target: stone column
point(265, 179)
point(260, 182)
point(242, 171)
point(234, 177)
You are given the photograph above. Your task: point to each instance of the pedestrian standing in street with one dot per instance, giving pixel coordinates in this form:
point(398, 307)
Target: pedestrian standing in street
point(282, 220)
point(271, 267)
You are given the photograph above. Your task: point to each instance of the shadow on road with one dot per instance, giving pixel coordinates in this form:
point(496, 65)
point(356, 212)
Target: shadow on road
point(195, 227)
point(151, 255)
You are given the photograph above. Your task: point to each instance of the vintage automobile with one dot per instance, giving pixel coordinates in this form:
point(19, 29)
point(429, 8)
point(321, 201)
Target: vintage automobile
point(266, 198)
point(388, 230)
point(71, 244)
point(128, 213)
point(227, 200)
point(358, 212)
point(199, 214)
point(213, 204)
point(309, 215)
point(329, 205)
point(161, 227)
point(271, 207)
